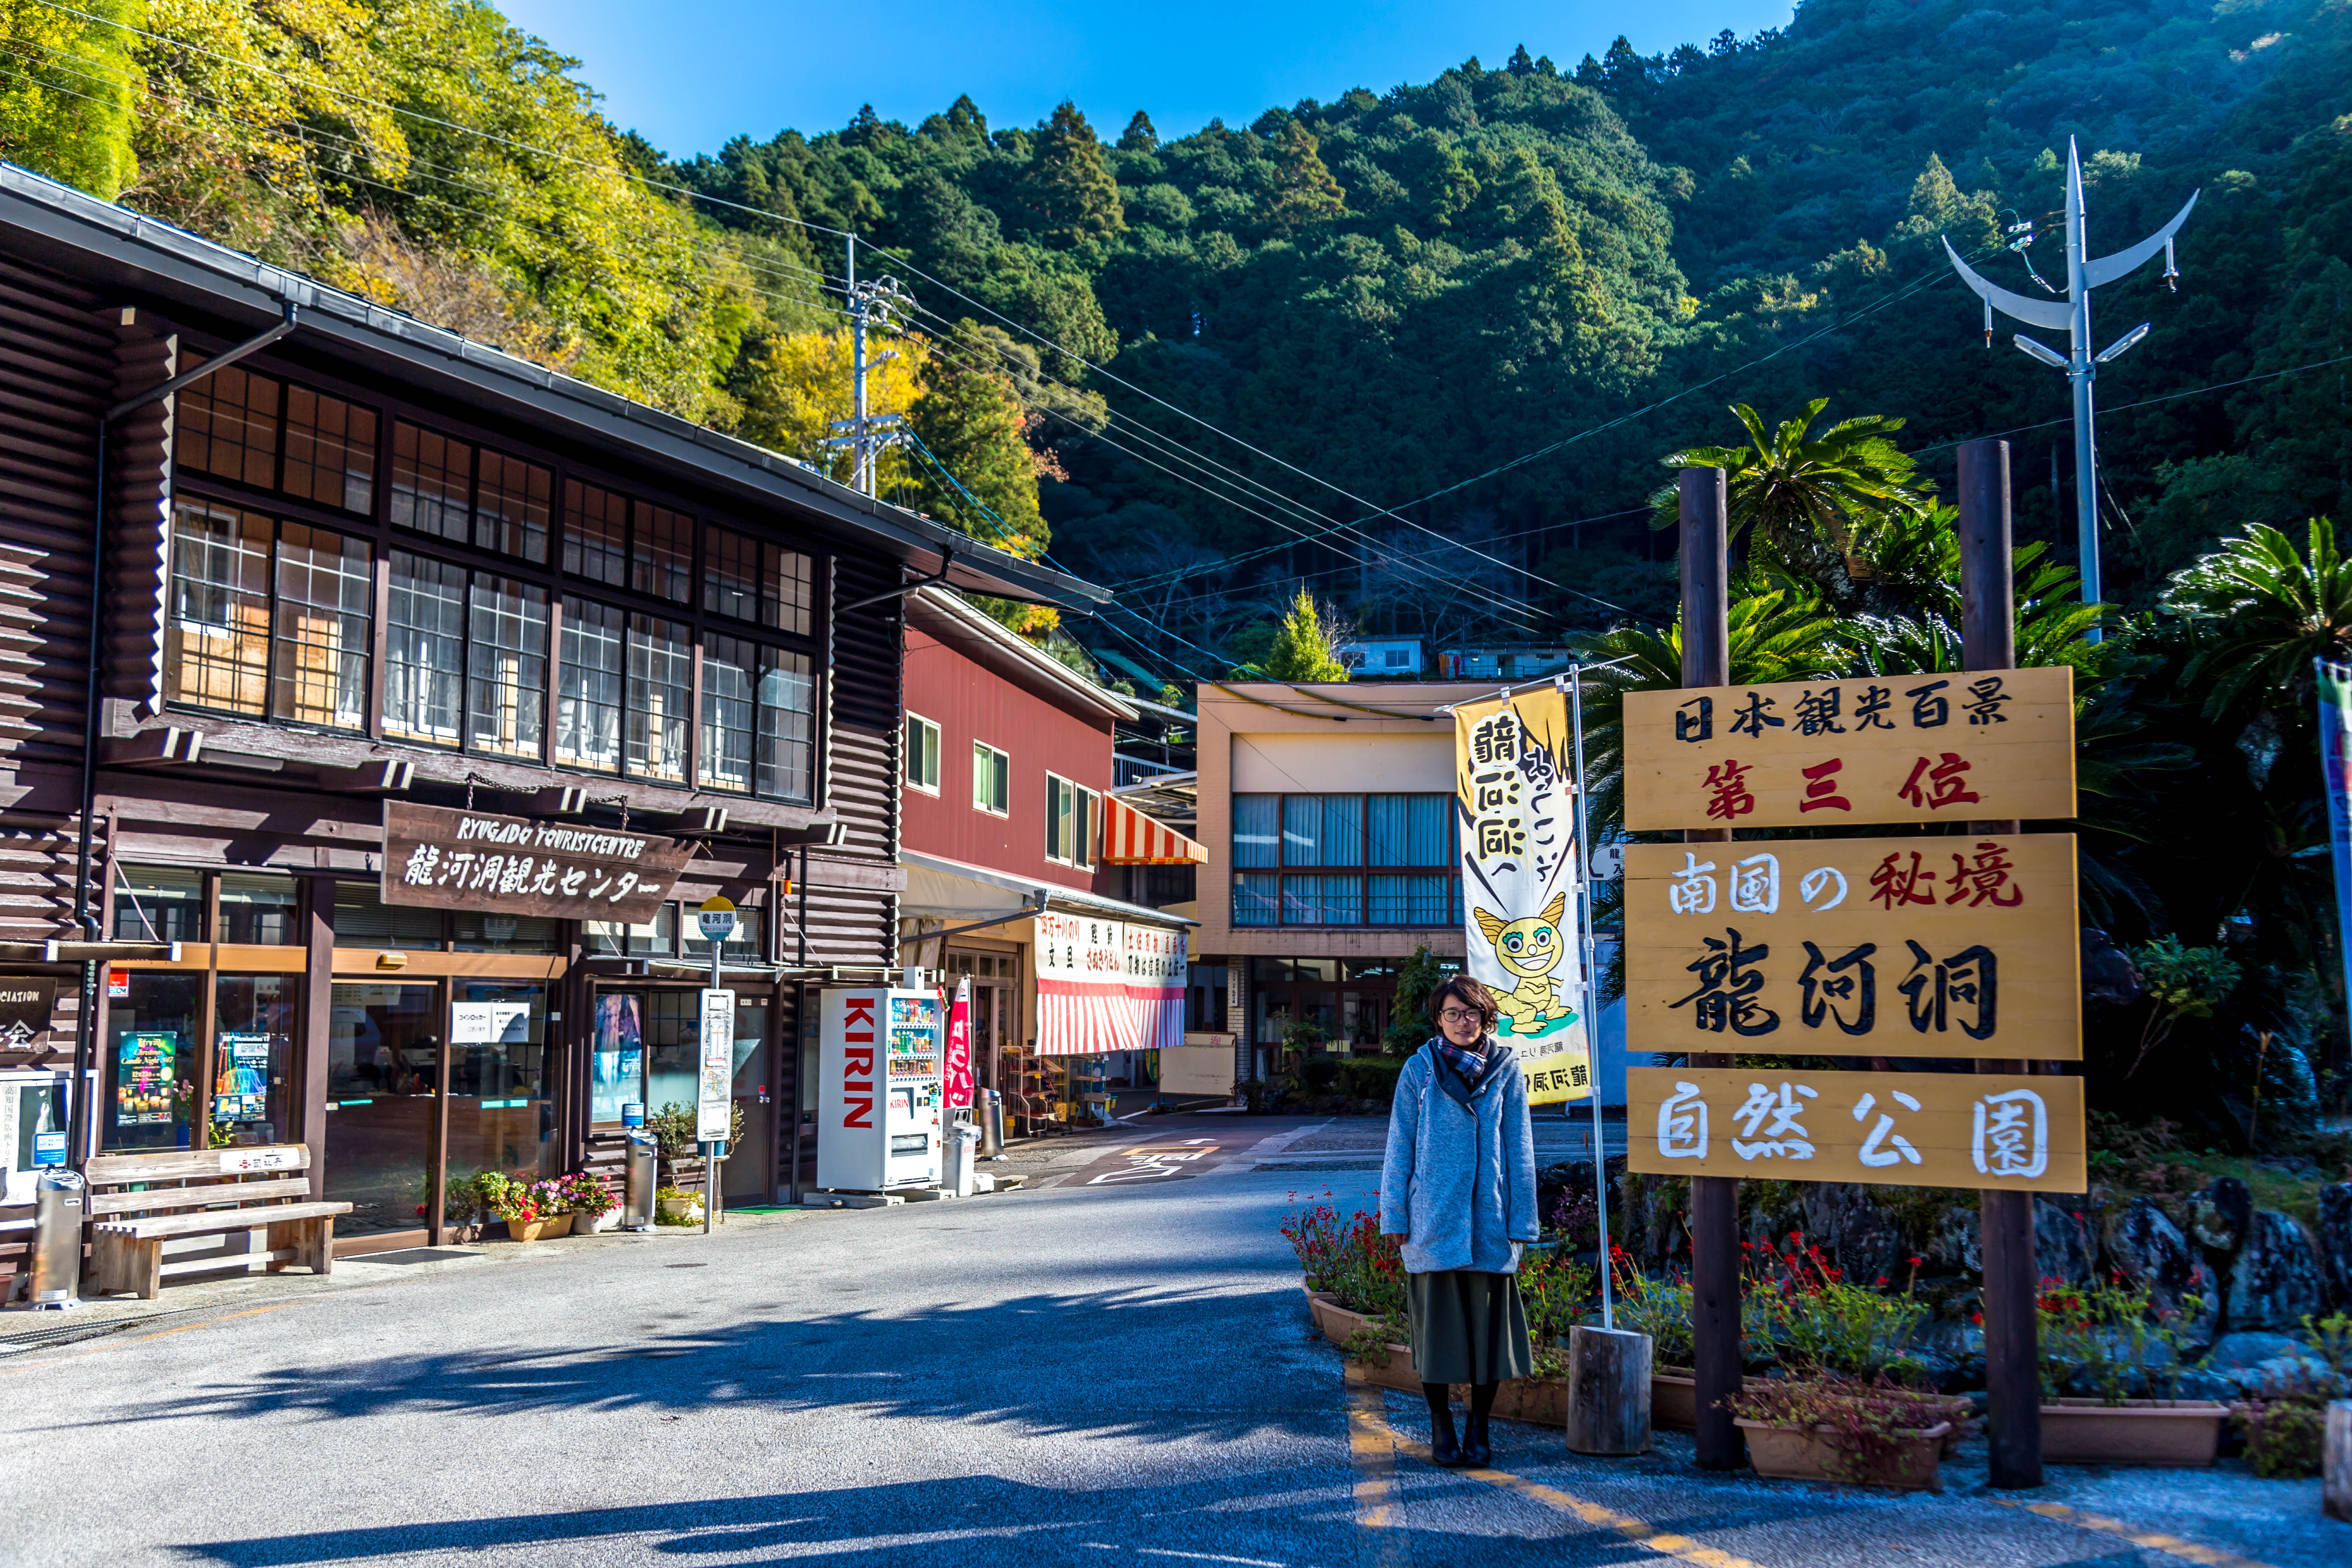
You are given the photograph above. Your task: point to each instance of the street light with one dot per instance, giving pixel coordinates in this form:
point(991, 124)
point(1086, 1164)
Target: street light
point(2072, 316)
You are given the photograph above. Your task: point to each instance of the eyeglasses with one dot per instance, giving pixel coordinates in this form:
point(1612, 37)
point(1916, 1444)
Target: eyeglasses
point(1457, 1015)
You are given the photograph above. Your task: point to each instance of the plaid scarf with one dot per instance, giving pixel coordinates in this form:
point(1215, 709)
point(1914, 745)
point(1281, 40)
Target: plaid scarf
point(1471, 1065)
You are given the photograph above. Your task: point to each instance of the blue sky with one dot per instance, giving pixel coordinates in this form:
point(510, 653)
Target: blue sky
point(691, 73)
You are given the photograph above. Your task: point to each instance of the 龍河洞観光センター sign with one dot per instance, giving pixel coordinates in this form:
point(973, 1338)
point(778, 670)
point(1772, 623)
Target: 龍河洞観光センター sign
point(437, 857)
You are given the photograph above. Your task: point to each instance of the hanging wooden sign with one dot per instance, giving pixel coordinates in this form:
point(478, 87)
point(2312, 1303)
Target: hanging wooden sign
point(1989, 744)
point(1901, 1129)
point(443, 858)
point(1959, 946)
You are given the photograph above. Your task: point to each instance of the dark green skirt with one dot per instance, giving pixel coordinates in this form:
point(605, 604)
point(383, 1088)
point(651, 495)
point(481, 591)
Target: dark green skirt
point(1467, 1326)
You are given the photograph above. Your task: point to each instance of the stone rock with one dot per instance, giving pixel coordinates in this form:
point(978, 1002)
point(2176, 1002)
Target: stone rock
point(2275, 1280)
point(2336, 1242)
point(2147, 1249)
point(2219, 1215)
point(2061, 1244)
point(1847, 1222)
point(2197, 1383)
point(1953, 1246)
point(2239, 1350)
point(2109, 975)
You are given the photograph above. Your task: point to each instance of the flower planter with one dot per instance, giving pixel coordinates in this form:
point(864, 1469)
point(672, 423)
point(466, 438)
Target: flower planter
point(590, 1224)
point(1332, 1320)
point(2185, 1431)
point(1674, 1398)
point(1794, 1453)
point(1539, 1401)
point(680, 1211)
point(543, 1229)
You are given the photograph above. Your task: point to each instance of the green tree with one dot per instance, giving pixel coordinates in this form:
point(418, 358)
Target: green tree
point(2260, 611)
point(1302, 191)
point(971, 418)
point(1302, 648)
point(1801, 495)
point(66, 108)
point(1139, 136)
point(1072, 197)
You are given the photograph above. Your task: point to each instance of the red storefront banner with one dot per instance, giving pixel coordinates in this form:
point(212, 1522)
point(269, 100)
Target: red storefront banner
point(956, 1069)
point(1107, 985)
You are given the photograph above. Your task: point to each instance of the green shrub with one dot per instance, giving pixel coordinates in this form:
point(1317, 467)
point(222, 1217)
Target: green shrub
point(1369, 1077)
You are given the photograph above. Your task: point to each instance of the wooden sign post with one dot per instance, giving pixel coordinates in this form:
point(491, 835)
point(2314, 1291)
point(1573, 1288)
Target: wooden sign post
point(1962, 945)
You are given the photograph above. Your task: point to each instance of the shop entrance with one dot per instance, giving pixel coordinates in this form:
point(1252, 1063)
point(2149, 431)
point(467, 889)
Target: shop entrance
point(646, 1048)
point(995, 1018)
point(404, 1100)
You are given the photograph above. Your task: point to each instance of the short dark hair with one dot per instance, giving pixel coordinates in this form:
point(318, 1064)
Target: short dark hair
point(1472, 995)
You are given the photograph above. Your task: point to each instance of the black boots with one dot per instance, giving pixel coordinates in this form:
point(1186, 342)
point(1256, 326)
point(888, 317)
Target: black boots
point(1444, 1451)
point(1477, 1453)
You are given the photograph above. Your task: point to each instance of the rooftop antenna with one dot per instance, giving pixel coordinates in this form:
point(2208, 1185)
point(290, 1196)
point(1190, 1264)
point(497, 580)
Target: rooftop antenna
point(2072, 315)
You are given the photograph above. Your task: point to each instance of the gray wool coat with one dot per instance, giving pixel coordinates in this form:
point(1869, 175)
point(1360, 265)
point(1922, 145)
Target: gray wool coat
point(1459, 1181)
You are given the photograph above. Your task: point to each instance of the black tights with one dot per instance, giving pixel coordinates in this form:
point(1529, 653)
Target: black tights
point(1441, 1404)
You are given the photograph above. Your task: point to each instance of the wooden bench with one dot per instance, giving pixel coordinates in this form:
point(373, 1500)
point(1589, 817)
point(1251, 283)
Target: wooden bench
point(138, 1202)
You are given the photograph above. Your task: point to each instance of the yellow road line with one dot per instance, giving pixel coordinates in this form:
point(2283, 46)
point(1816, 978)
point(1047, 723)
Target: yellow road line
point(1368, 1424)
point(1371, 1449)
point(2171, 1545)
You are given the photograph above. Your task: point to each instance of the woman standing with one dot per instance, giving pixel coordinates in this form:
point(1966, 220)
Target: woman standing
point(1459, 1185)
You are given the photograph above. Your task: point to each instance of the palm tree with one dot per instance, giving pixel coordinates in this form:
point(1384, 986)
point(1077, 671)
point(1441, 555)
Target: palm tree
point(1804, 496)
point(2260, 613)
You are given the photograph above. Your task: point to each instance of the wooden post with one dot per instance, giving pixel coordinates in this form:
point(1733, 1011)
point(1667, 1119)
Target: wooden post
point(2335, 1472)
point(1714, 1200)
point(2005, 1220)
point(1608, 1390)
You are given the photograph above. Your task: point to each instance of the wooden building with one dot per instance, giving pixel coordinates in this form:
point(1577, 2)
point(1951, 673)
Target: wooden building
point(370, 566)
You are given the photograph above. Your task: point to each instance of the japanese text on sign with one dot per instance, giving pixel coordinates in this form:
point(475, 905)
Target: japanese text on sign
point(442, 858)
point(1923, 947)
point(1930, 1130)
point(1917, 748)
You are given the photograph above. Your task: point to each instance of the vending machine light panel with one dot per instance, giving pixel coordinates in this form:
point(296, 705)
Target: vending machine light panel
point(878, 1089)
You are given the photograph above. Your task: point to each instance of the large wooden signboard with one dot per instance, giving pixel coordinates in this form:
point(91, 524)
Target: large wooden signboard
point(448, 859)
point(1986, 745)
point(1884, 947)
point(1905, 1129)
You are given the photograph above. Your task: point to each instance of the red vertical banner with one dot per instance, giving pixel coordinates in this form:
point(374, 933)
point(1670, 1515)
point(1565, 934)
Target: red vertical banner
point(957, 1074)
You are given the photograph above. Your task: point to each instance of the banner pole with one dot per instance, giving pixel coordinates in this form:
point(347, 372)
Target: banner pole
point(1591, 1022)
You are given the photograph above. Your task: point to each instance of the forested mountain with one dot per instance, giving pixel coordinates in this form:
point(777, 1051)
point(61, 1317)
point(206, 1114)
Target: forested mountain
point(1396, 291)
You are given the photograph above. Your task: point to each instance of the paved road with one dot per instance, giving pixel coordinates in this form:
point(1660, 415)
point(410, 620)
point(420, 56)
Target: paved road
point(1084, 1373)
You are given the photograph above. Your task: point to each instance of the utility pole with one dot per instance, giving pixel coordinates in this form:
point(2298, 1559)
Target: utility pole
point(2072, 315)
point(1714, 1200)
point(870, 304)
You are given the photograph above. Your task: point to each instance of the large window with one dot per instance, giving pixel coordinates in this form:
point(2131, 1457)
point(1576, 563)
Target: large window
point(787, 725)
point(661, 679)
point(759, 719)
point(425, 649)
point(506, 667)
point(588, 687)
point(1345, 861)
point(466, 656)
point(236, 425)
point(268, 618)
point(1072, 811)
point(752, 581)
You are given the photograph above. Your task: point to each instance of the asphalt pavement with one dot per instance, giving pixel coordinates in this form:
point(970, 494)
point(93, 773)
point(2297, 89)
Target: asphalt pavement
point(1086, 1371)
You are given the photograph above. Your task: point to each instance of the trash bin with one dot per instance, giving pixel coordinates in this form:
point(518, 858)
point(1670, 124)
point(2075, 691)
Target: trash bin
point(964, 1138)
point(637, 1196)
point(991, 1124)
point(58, 1212)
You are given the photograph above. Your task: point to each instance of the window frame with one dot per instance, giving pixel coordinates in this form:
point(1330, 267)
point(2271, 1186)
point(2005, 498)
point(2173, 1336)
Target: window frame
point(797, 737)
point(999, 773)
point(1263, 896)
point(933, 735)
point(1086, 823)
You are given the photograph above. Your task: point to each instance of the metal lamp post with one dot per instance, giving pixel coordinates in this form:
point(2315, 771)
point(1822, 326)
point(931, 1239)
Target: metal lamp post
point(2073, 315)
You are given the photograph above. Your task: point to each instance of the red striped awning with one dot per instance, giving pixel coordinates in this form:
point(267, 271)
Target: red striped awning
point(1132, 838)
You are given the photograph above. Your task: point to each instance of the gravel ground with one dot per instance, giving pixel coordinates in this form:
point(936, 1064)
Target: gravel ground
point(1080, 1374)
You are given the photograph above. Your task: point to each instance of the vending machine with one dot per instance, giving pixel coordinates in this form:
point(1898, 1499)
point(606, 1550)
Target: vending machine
point(878, 1089)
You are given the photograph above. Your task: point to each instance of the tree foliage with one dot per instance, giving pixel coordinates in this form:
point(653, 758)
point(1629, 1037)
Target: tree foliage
point(1302, 647)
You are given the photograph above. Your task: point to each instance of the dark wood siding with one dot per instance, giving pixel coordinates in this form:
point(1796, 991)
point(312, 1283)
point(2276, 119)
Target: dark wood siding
point(858, 925)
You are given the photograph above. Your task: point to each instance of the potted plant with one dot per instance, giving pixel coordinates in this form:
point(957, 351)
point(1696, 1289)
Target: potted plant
point(1818, 1429)
point(678, 1205)
point(528, 1207)
point(590, 1202)
point(2113, 1339)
